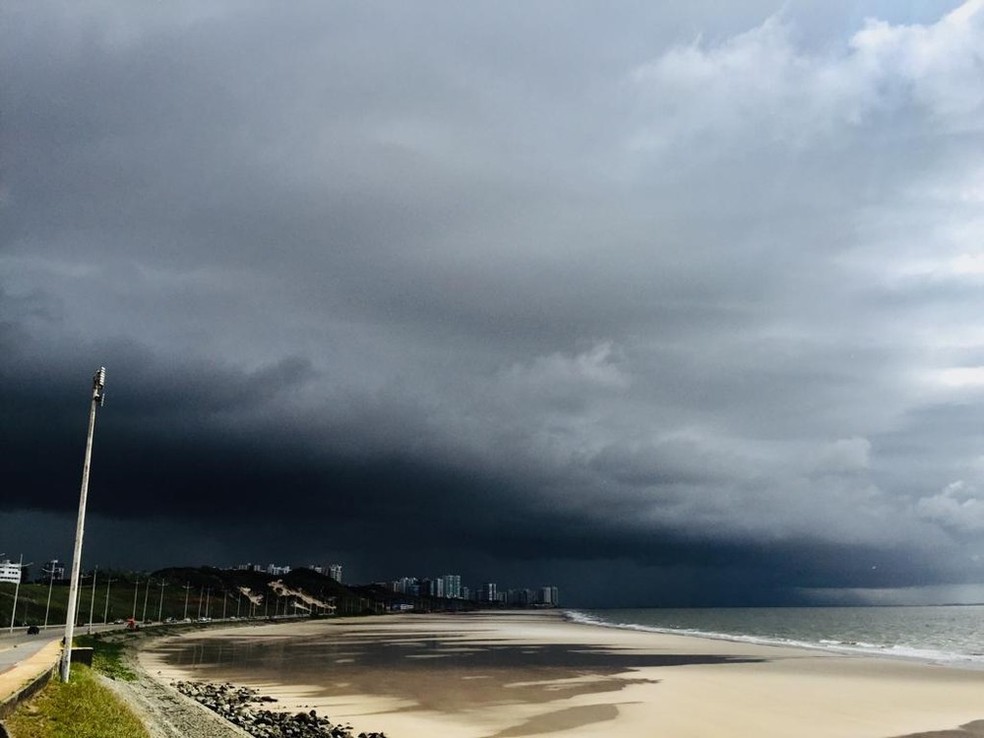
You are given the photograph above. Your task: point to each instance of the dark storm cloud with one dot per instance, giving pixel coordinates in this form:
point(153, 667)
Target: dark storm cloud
point(560, 289)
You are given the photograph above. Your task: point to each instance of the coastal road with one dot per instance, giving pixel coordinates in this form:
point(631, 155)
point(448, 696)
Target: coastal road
point(19, 647)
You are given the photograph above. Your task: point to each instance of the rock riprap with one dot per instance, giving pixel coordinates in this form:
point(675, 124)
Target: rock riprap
point(242, 706)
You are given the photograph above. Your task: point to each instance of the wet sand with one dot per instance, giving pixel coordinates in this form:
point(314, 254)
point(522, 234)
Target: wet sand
point(495, 675)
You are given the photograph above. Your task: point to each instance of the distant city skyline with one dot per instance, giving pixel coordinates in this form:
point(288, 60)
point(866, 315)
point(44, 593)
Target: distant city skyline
point(447, 586)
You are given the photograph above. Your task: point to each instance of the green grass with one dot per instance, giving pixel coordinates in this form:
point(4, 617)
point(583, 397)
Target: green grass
point(83, 708)
point(107, 656)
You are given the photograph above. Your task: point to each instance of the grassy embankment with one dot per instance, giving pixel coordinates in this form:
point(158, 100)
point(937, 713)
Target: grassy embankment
point(128, 596)
point(83, 708)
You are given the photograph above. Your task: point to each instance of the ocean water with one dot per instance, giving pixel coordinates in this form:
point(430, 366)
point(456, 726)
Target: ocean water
point(952, 635)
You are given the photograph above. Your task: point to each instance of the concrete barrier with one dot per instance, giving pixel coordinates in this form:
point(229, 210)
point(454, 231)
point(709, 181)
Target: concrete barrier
point(82, 655)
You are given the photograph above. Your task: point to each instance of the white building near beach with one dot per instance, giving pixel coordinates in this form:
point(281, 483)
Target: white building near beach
point(9, 571)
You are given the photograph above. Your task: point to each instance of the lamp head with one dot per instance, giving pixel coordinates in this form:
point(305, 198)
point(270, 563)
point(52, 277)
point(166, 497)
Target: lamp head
point(98, 385)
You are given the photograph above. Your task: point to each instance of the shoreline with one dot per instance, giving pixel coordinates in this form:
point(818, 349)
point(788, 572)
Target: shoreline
point(915, 655)
point(484, 675)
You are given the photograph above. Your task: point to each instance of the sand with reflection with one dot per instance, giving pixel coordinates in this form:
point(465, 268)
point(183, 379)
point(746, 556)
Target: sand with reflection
point(491, 675)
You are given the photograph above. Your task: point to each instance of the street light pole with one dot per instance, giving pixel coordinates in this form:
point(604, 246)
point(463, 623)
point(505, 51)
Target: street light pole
point(160, 606)
point(98, 384)
point(92, 601)
point(136, 589)
point(13, 612)
point(106, 608)
point(187, 586)
point(51, 580)
point(146, 595)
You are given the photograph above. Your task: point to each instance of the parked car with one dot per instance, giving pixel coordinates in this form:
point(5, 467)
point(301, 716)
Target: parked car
point(33, 630)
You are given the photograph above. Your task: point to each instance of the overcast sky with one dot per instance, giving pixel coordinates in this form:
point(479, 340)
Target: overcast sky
point(664, 303)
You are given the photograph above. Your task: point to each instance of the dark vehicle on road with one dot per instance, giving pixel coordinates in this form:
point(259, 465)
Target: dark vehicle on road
point(33, 630)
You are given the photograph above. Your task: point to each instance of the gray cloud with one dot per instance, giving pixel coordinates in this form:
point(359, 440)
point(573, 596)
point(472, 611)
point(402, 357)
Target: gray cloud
point(550, 288)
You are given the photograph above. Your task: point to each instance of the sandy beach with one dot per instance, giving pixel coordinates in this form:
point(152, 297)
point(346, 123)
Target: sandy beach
point(494, 675)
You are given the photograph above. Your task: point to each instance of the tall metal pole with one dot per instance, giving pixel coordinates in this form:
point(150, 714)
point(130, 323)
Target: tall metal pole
point(136, 589)
point(186, 588)
point(98, 383)
point(13, 612)
point(160, 606)
point(78, 605)
point(106, 608)
point(146, 595)
point(51, 580)
point(92, 602)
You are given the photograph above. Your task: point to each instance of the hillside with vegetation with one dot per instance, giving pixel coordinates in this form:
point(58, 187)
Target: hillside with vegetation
point(205, 592)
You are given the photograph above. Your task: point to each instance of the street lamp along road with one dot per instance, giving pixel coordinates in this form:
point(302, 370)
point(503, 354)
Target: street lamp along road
point(92, 601)
point(106, 608)
point(98, 385)
point(51, 580)
point(13, 611)
point(136, 589)
point(160, 607)
point(146, 596)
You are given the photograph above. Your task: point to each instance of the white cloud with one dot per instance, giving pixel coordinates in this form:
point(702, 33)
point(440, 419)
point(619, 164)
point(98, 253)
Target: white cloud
point(960, 377)
point(760, 83)
point(958, 506)
point(844, 455)
point(596, 367)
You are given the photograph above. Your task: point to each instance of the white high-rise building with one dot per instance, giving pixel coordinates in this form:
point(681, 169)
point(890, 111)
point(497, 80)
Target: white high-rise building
point(335, 572)
point(9, 571)
point(452, 586)
point(407, 586)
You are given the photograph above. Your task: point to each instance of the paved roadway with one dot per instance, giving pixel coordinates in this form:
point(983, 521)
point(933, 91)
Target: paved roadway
point(21, 657)
point(19, 646)
point(17, 649)
point(19, 638)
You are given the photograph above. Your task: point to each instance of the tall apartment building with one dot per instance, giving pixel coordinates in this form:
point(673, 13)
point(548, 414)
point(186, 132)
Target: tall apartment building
point(549, 596)
point(452, 586)
point(335, 572)
point(432, 587)
point(488, 593)
point(407, 586)
point(9, 571)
